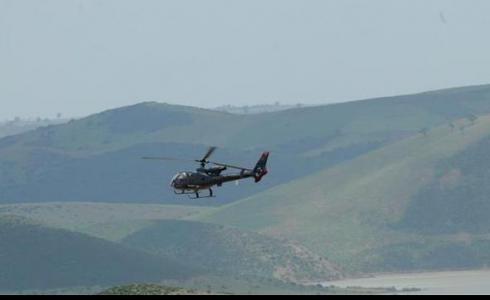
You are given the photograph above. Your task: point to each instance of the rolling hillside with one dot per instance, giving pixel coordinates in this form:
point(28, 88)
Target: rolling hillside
point(211, 249)
point(96, 158)
point(418, 204)
point(34, 257)
point(229, 252)
point(108, 221)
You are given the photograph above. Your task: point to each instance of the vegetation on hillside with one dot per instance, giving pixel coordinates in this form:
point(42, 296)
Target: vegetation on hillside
point(147, 290)
point(457, 200)
point(226, 251)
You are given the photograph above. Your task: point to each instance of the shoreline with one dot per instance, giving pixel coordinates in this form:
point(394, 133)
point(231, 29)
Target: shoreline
point(407, 273)
point(473, 281)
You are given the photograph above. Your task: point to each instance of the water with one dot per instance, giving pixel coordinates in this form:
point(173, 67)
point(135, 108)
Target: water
point(441, 283)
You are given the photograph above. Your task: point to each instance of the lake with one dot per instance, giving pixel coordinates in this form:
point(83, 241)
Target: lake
point(440, 283)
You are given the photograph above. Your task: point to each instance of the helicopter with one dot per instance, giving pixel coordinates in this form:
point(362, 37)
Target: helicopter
point(205, 178)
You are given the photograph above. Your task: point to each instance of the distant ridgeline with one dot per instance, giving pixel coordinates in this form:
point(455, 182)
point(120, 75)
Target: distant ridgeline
point(18, 125)
point(257, 109)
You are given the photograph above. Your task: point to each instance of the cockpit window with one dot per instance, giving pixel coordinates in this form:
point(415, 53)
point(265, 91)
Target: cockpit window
point(182, 175)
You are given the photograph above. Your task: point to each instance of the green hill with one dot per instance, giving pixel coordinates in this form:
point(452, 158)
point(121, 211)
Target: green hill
point(96, 158)
point(34, 257)
point(418, 204)
point(230, 252)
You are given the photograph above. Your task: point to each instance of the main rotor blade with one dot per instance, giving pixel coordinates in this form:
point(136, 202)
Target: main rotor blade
point(167, 159)
point(208, 154)
point(229, 166)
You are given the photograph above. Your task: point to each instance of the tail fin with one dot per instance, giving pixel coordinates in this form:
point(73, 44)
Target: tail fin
point(261, 168)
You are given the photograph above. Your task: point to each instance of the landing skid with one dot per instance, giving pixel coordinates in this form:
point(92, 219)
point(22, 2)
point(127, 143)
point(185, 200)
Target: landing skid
point(184, 193)
point(200, 197)
point(196, 195)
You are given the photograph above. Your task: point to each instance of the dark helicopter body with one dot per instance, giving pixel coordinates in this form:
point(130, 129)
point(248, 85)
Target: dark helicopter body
point(185, 183)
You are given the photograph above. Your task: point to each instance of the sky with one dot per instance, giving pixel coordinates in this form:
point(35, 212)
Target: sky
point(78, 57)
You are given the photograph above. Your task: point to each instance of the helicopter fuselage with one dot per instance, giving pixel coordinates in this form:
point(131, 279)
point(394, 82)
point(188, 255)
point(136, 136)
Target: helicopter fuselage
point(203, 180)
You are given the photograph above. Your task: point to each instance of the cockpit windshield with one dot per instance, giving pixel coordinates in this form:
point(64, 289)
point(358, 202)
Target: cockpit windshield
point(182, 175)
point(179, 179)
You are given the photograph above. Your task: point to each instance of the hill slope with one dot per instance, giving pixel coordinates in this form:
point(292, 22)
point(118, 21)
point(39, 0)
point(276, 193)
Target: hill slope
point(230, 252)
point(457, 200)
point(209, 248)
point(34, 257)
point(102, 220)
point(418, 204)
point(96, 158)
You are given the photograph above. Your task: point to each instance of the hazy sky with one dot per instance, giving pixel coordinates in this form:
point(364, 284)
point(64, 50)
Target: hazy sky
point(82, 56)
